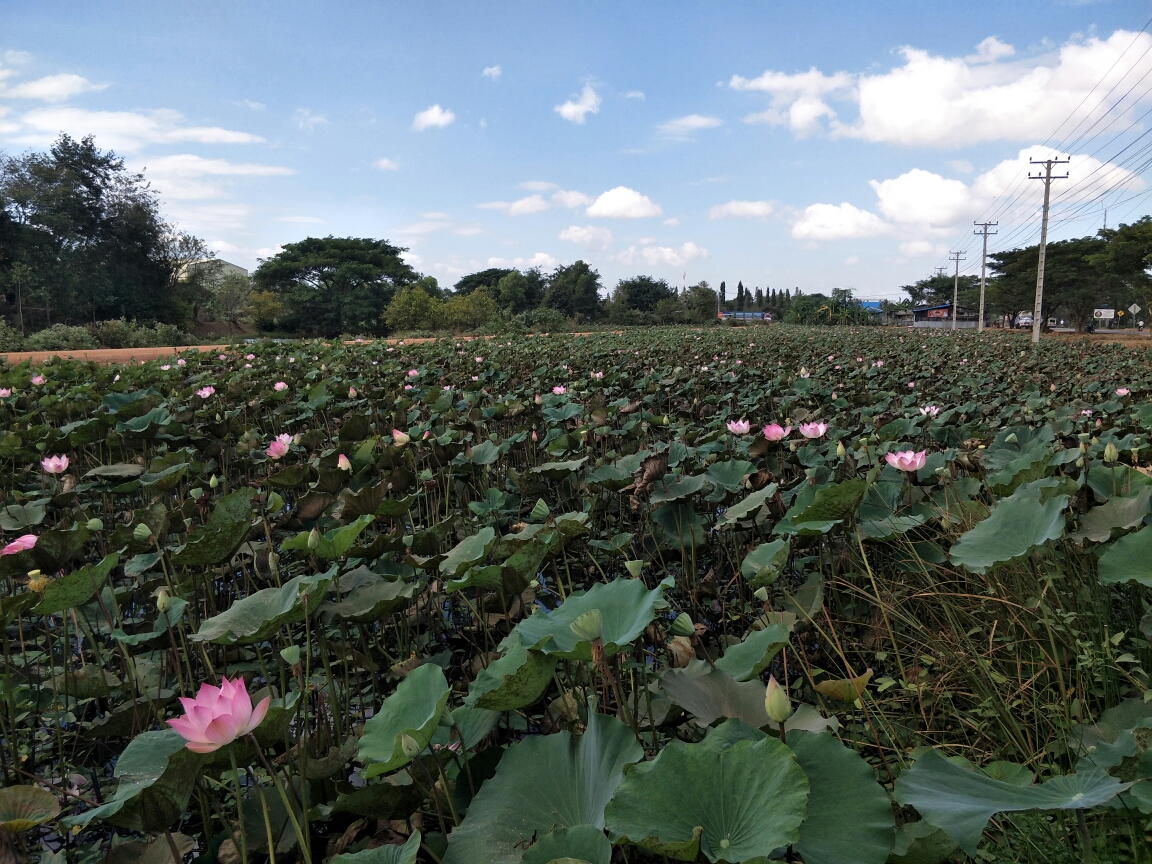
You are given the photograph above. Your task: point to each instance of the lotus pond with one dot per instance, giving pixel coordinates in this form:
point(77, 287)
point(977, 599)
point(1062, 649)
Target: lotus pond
point(734, 595)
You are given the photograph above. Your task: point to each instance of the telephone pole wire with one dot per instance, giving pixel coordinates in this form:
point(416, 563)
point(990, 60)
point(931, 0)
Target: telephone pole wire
point(957, 257)
point(1047, 178)
point(983, 268)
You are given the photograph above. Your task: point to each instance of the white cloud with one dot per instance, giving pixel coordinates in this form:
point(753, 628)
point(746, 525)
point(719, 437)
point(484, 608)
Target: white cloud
point(963, 166)
point(210, 218)
point(386, 164)
point(683, 127)
point(306, 120)
point(920, 197)
point(51, 88)
point(743, 209)
point(495, 205)
point(588, 236)
point(303, 220)
point(523, 206)
point(492, 72)
point(939, 101)
point(922, 248)
point(576, 111)
point(655, 256)
point(837, 222)
point(623, 203)
point(537, 185)
point(570, 199)
point(411, 258)
point(634, 94)
point(434, 116)
point(181, 176)
point(248, 103)
point(851, 259)
point(672, 222)
point(427, 224)
point(124, 131)
point(541, 259)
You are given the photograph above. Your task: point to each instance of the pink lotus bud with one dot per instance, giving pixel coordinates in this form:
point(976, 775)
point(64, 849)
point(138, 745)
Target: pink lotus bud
point(399, 438)
point(774, 432)
point(907, 460)
point(738, 427)
point(1122, 391)
point(54, 464)
point(351, 392)
point(38, 380)
point(813, 430)
point(343, 464)
point(249, 356)
point(218, 716)
point(279, 386)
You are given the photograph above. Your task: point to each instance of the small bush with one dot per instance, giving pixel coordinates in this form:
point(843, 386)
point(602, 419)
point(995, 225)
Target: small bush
point(60, 337)
point(10, 339)
point(118, 333)
point(545, 318)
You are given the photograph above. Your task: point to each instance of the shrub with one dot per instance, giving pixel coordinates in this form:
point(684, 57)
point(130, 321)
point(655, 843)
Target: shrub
point(118, 333)
point(60, 337)
point(412, 308)
point(10, 339)
point(545, 318)
point(469, 311)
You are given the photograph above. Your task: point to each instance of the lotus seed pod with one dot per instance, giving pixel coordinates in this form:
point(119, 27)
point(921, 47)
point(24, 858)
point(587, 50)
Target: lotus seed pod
point(1012, 439)
point(313, 539)
point(95, 525)
point(1111, 454)
point(634, 567)
point(410, 746)
point(776, 702)
point(37, 582)
point(141, 532)
point(291, 655)
point(761, 594)
point(682, 625)
point(589, 626)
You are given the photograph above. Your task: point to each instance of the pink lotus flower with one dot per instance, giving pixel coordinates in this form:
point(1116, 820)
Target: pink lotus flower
point(165, 367)
point(813, 430)
point(929, 411)
point(407, 386)
point(478, 359)
point(559, 390)
point(279, 386)
point(351, 392)
point(54, 464)
point(775, 432)
point(19, 544)
point(399, 439)
point(1087, 412)
point(739, 427)
point(804, 373)
point(279, 446)
point(181, 362)
point(223, 356)
point(1122, 391)
point(38, 380)
point(412, 373)
point(249, 356)
point(907, 460)
point(5, 392)
point(343, 464)
point(911, 384)
point(205, 392)
point(218, 716)
point(597, 375)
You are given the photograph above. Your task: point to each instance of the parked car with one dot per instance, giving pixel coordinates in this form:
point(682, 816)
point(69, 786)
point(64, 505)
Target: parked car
point(1024, 322)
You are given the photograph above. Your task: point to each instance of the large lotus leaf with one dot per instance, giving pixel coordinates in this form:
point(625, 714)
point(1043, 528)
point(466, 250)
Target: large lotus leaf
point(850, 818)
point(763, 565)
point(156, 775)
point(155, 851)
point(405, 854)
point(1007, 467)
point(709, 694)
point(1128, 714)
point(543, 783)
point(732, 803)
point(580, 843)
point(77, 588)
point(290, 477)
point(1128, 559)
point(413, 710)
point(747, 659)
point(395, 797)
point(1015, 527)
point(516, 680)
point(683, 527)
point(838, 501)
point(146, 425)
point(167, 478)
point(259, 615)
point(373, 601)
point(558, 470)
point(1118, 512)
point(747, 507)
point(117, 471)
point(792, 523)
point(729, 475)
point(217, 541)
point(57, 546)
point(626, 608)
point(921, 843)
point(474, 724)
point(159, 626)
point(1115, 479)
point(334, 544)
point(468, 552)
point(677, 488)
point(961, 801)
point(24, 807)
point(19, 517)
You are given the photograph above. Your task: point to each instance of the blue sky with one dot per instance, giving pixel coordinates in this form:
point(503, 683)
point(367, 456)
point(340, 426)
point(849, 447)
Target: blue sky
point(817, 145)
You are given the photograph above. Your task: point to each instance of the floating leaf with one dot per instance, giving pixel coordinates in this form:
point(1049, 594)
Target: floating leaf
point(468, 552)
point(77, 588)
point(257, 616)
point(373, 601)
point(334, 544)
point(1129, 559)
point(709, 694)
point(1098, 523)
point(747, 507)
point(219, 539)
point(763, 565)
point(413, 710)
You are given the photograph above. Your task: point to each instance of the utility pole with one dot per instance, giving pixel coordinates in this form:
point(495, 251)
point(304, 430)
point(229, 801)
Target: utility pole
point(983, 268)
point(957, 257)
point(940, 270)
point(1047, 178)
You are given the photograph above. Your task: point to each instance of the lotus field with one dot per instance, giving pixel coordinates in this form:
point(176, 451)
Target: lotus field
point(726, 595)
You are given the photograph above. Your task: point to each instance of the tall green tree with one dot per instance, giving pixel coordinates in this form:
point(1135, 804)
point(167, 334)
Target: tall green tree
point(574, 291)
point(642, 292)
point(335, 285)
point(1076, 279)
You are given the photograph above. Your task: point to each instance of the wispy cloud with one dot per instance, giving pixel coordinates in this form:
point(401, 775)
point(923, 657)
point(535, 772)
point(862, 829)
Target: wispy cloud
point(492, 72)
point(576, 110)
point(306, 120)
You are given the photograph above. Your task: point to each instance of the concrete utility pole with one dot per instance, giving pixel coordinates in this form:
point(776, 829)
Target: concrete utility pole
point(1047, 178)
point(983, 268)
point(957, 257)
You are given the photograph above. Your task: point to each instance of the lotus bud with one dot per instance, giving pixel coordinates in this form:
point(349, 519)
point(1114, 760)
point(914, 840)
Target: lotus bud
point(213, 482)
point(343, 464)
point(163, 601)
point(792, 447)
point(95, 525)
point(776, 702)
point(141, 532)
point(761, 594)
point(399, 438)
point(1080, 462)
point(1083, 447)
point(840, 451)
point(410, 746)
point(1111, 454)
point(589, 626)
point(682, 625)
point(291, 655)
point(313, 539)
point(634, 567)
point(1135, 455)
point(1012, 439)
point(538, 399)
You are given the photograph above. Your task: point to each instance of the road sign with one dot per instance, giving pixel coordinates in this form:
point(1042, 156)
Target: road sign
point(1134, 308)
point(1104, 314)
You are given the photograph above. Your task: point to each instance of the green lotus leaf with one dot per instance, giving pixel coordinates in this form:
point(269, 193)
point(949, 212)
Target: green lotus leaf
point(544, 783)
point(24, 807)
point(1015, 527)
point(156, 775)
point(468, 552)
point(1119, 511)
point(749, 658)
point(683, 527)
point(626, 608)
point(732, 803)
point(1128, 559)
point(729, 475)
point(961, 801)
point(334, 544)
point(260, 614)
point(216, 541)
point(921, 843)
point(709, 694)
point(763, 565)
point(747, 506)
point(413, 710)
point(516, 680)
point(677, 488)
point(77, 588)
point(405, 854)
point(373, 601)
point(580, 843)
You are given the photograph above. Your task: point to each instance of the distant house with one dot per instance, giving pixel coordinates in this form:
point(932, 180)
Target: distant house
point(940, 317)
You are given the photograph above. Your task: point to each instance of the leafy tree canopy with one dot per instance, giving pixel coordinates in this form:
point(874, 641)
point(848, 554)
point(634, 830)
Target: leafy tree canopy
point(643, 292)
point(574, 290)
